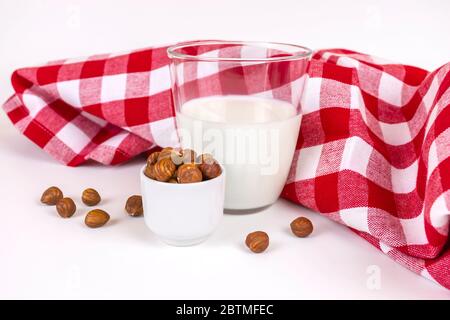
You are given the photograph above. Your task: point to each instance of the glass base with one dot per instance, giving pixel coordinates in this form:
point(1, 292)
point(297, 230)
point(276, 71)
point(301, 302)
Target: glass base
point(183, 242)
point(246, 211)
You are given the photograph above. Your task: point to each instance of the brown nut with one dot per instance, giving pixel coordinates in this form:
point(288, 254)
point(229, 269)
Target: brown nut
point(134, 206)
point(257, 241)
point(165, 153)
point(177, 157)
point(210, 170)
point(302, 227)
point(189, 173)
point(90, 197)
point(51, 196)
point(171, 153)
point(66, 207)
point(153, 158)
point(96, 218)
point(149, 171)
point(172, 180)
point(205, 158)
point(189, 156)
point(164, 169)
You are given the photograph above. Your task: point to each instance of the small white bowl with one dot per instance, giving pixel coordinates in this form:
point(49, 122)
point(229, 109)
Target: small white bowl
point(183, 214)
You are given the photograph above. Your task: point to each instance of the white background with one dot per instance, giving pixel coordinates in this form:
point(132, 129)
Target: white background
point(44, 256)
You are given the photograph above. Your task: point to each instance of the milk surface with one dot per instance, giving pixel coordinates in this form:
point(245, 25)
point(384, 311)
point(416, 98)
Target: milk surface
point(254, 138)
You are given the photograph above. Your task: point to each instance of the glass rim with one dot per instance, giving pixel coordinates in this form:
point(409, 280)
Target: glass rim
point(305, 52)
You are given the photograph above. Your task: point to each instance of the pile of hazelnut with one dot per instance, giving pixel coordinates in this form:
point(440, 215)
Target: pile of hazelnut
point(181, 166)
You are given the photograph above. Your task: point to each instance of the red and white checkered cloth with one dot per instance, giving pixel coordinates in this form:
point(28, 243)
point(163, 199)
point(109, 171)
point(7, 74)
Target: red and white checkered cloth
point(373, 152)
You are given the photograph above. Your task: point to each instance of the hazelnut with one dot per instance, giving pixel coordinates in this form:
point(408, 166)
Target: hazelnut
point(164, 169)
point(96, 218)
point(66, 207)
point(51, 196)
point(153, 158)
point(257, 241)
point(189, 156)
point(189, 173)
point(165, 153)
point(210, 170)
point(172, 154)
point(90, 197)
point(134, 206)
point(150, 171)
point(205, 158)
point(302, 227)
point(177, 157)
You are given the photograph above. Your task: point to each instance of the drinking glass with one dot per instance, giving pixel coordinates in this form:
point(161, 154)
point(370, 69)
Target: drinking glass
point(240, 102)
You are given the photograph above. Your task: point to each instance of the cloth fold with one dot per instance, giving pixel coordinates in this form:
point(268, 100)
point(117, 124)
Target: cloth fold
point(373, 151)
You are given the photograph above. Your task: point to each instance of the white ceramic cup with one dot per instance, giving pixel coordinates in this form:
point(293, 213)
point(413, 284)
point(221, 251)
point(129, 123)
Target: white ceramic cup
point(183, 214)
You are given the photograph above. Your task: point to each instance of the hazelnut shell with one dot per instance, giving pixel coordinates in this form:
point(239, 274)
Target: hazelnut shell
point(257, 241)
point(51, 196)
point(66, 207)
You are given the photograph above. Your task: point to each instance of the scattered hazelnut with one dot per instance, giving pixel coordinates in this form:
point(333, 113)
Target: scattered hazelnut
point(96, 218)
point(257, 241)
point(189, 173)
point(66, 207)
point(302, 227)
point(164, 169)
point(51, 196)
point(134, 206)
point(90, 197)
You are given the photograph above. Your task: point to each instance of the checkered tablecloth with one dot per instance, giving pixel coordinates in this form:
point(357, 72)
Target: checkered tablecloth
point(373, 151)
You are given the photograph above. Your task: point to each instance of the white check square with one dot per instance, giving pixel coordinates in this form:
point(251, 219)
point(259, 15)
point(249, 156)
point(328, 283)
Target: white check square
point(69, 91)
point(159, 80)
point(356, 155)
point(414, 230)
point(308, 161)
point(311, 95)
point(390, 89)
point(395, 133)
point(113, 87)
point(33, 103)
point(356, 218)
point(73, 137)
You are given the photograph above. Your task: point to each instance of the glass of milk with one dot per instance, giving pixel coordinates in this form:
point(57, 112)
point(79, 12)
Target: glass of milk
point(240, 101)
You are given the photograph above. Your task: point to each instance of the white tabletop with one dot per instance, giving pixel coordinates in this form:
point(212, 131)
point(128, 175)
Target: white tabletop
point(44, 256)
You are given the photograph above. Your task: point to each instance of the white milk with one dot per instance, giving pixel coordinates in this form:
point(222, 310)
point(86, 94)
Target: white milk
point(254, 138)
